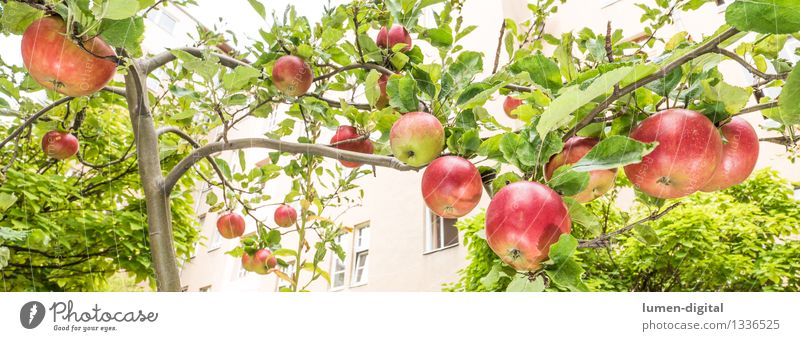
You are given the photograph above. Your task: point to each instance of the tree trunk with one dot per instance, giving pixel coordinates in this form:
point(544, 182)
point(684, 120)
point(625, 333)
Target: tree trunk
point(159, 216)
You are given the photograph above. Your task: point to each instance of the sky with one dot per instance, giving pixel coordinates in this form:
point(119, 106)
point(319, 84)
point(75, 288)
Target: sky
point(238, 16)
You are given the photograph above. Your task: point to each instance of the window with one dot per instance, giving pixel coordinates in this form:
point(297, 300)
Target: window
point(216, 240)
point(206, 288)
point(338, 269)
point(164, 20)
point(440, 233)
point(284, 285)
point(361, 251)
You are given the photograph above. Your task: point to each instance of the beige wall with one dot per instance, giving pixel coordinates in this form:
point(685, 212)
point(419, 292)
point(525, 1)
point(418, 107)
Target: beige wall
point(392, 202)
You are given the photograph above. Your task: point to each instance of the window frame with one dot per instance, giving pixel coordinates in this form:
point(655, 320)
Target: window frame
point(342, 241)
point(427, 247)
point(361, 243)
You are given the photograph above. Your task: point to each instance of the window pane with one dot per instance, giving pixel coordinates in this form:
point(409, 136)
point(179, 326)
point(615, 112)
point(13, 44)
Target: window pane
point(450, 232)
point(360, 271)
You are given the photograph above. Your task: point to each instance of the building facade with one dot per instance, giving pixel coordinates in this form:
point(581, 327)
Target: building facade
point(397, 244)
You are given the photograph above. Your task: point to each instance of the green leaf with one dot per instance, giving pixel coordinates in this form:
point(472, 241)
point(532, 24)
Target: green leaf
point(8, 234)
point(560, 110)
point(788, 111)
point(284, 253)
point(732, 98)
point(566, 181)
point(402, 92)
point(322, 273)
point(258, 7)
point(223, 166)
point(582, 216)
point(371, 88)
point(6, 200)
point(206, 68)
point(567, 275)
point(613, 152)
point(211, 198)
point(441, 37)
point(764, 16)
point(240, 77)
point(563, 250)
point(115, 9)
point(521, 283)
point(647, 234)
point(5, 255)
point(17, 16)
point(541, 69)
point(504, 179)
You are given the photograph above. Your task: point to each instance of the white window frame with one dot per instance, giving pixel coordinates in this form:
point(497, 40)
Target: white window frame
point(289, 270)
point(429, 247)
point(342, 240)
point(360, 247)
point(216, 240)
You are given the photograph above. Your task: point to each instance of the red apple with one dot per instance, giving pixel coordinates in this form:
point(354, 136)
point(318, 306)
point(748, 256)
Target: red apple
point(739, 155)
point(510, 104)
point(417, 138)
point(600, 181)
point(689, 150)
point(59, 144)
point(59, 64)
point(230, 225)
point(292, 75)
point(395, 35)
point(260, 262)
point(348, 133)
point(523, 220)
point(247, 262)
point(285, 216)
point(451, 186)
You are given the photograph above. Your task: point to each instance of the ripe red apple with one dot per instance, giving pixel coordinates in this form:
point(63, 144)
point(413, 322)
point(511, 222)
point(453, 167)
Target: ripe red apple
point(417, 138)
point(383, 99)
point(600, 181)
point(451, 186)
point(345, 133)
point(59, 64)
point(260, 262)
point(689, 150)
point(523, 219)
point(395, 35)
point(285, 216)
point(510, 104)
point(230, 225)
point(59, 144)
point(739, 155)
point(292, 75)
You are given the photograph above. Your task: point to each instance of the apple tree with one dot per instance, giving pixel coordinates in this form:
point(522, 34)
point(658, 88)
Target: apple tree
point(598, 107)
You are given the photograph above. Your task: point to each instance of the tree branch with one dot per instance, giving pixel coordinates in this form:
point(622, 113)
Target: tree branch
point(604, 240)
point(499, 47)
point(735, 57)
point(33, 118)
point(705, 48)
point(365, 66)
point(283, 146)
point(159, 60)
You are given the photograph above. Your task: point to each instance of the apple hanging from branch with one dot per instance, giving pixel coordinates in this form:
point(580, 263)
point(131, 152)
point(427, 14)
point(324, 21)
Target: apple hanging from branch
point(59, 145)
point(344, 133)
point(509, 104)
point(57, 63)
point(398, 34)
point(600, 181)
point(417, 138)
point(230, 225)
point(522, 221)
point(688, 152)
point(285, 215)
point(292, 76)
point(739, 155)
point(451, 186)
